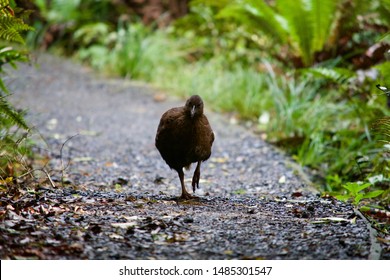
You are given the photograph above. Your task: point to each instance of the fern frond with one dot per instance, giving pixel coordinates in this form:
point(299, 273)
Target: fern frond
point(3, 87)
point(323, 15)
point(10, 56)
point(9, 116)
point(11, 35)
point(337, 75)
point(10, 28)
point(382, 127)
point(303, 24)
point(257, 16)
point(13, 22)
point(3, 4)
point(300, 26)
point(5, 9)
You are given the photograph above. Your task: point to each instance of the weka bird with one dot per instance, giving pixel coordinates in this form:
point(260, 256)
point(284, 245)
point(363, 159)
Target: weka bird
point(184, 136)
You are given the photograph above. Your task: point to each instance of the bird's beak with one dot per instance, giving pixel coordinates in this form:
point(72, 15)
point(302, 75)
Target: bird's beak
point(193, 111)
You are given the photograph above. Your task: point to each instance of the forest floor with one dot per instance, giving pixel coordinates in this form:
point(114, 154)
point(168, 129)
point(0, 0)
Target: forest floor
point(111, 195)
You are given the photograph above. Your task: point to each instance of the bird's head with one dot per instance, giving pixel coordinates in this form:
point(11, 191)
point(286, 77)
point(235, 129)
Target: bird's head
point(194, 106)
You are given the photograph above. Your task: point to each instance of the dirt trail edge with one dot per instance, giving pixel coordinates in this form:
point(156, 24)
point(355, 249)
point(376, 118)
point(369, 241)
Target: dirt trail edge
point(114, 195)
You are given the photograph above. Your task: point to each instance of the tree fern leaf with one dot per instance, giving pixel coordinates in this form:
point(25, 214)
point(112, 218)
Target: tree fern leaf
point(257, 16)
point(322, 12)
point(300, 26)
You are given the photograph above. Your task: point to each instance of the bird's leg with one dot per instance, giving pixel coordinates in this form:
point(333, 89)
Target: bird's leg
point(184, 193)
point(196, 177)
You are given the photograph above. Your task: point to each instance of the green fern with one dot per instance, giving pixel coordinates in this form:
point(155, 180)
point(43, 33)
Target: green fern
point(305, 25)
point(336, 75)
point(300, 27)
point(4, 7)
point(10, 56)
point(8, 115)
point(322, 18)
point(11, 27)
point(382, 127)
point(257, 16)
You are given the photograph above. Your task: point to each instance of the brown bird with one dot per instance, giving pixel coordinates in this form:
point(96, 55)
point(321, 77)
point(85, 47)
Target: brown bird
point(184, 136)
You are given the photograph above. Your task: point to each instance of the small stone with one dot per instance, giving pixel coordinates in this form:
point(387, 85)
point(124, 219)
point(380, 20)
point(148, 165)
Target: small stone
point(188, 219)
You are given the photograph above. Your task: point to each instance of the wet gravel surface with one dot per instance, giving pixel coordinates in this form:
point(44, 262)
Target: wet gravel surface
point(115, 196)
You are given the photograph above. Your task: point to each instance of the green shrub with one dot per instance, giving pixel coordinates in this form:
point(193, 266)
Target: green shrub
point(358, 192)
point(133, 50)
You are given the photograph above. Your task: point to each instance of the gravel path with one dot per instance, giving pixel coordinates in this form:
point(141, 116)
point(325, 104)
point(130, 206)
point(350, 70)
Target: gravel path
point(117, 199)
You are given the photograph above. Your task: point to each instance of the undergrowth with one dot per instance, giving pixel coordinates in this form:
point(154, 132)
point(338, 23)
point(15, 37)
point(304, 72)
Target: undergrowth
point(298, 112)
point(13, 128)
point(314, 98)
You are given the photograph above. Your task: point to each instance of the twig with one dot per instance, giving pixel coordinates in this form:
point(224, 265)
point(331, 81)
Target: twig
point(42, 170)
point(48, 176)
point(62, 161)
point(375, 248)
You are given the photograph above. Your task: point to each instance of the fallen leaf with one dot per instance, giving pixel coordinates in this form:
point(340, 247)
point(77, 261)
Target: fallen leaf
point(124, 225)
point(219, 159)
point(89, 133)
point(116, 236)
point(282, 180)
point(82, 159)
point(330, 220)
point(159, 97)
point(178, 237)
point(296, 194)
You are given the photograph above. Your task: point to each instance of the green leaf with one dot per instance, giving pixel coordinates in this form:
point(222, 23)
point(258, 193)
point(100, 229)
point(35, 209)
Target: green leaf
point(373, 194)
point(3, 87)
point(357, 198)
point(10, 28)
point(216, 3)
point(355, 188)
point(64, 10)
point(336, 75)
point(3, 5)
point(323, 15)
point(257, 16)
point(8, 113)
point(300, 26)
point(343, 197)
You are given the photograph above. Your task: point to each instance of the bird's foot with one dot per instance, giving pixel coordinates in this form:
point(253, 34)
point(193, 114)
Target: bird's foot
point(187, 196)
